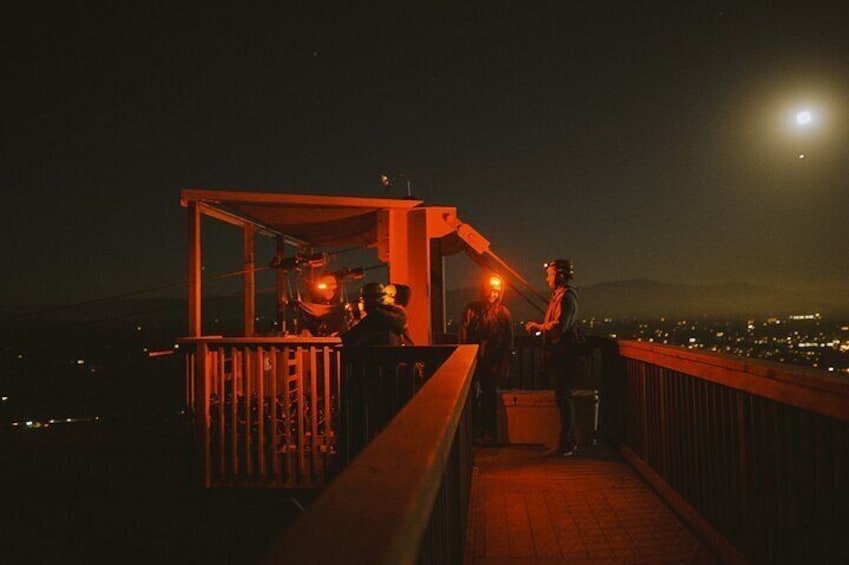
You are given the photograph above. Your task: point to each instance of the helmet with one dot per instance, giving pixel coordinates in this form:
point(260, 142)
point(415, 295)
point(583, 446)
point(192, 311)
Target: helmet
point(561, 266)
point(490, 284)
point(372, 293)
point(325, 287)
point(391, 292)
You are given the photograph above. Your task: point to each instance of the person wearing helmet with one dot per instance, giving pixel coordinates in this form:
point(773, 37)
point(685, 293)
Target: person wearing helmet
point(561, 337)
point(487, 322)
point(382, 323)
point(323, 313)
point(398, 294)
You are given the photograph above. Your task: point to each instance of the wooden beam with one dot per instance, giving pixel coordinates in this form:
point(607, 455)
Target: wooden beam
point(437, 290)
point(221, 196)
point(194, 270)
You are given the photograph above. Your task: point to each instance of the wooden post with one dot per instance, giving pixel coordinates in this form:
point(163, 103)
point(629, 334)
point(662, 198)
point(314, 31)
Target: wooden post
point(194, 269)
point(437, 290)
point(201, 407)
point(249, 280)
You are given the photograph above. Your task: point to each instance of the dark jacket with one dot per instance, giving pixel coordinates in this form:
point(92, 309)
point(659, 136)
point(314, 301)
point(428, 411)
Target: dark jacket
point(385, 324)
point(560, 328)
point(491, 327)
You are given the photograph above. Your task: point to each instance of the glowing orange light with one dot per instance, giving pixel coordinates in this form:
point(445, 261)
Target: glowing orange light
point(495, 282)
point(325, 286)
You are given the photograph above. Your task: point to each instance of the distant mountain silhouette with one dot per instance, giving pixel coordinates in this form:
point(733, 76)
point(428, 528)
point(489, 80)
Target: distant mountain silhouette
point(640, 298)
point(644, 298)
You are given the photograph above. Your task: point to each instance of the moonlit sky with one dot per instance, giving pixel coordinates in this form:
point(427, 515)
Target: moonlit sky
point(642, 140)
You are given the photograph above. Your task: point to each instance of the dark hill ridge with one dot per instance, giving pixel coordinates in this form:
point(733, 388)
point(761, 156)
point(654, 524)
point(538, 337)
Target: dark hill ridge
point(643, 298)
point(640, 298)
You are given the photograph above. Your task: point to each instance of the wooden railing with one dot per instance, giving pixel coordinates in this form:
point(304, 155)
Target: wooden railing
point(291, 412)
point(405, 497)
point(527, 367)
point(378, 382)
point(754, 454)
point(266, 410)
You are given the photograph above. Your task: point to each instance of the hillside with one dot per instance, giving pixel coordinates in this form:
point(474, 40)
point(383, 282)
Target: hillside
point(642, 298)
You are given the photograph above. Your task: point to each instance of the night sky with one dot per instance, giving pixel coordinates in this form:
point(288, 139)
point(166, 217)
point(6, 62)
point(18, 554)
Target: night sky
point(642, 140)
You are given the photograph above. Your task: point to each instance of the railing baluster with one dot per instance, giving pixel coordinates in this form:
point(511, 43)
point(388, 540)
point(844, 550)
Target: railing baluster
point(222, 398)
point(743, 444)
point(302, 473)
point(249, 377)
point(289, 456)
point(272, 407)
point(203, 416)
point(314, 406)
point(235, 385)
point(329, 426)
point(260, 410)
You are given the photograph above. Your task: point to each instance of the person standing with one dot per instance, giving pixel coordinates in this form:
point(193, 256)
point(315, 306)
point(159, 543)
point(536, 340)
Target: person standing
point(382, 324)
point(487, 322)
point(562, 339)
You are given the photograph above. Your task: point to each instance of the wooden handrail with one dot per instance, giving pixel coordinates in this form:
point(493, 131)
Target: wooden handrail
point(798, 386)
point(751, 453)
point(218, 339)
point(377, 510)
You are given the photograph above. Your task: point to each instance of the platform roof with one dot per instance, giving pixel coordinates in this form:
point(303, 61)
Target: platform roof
point(319, 221)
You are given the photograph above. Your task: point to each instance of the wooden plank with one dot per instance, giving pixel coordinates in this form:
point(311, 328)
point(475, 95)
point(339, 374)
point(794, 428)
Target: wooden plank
point(274, 355)
point(248, 380)
point(302, 473)
point(518, 525)
point(567, 532)
point(189, 195)
point(329, 424)
point(542, 530)
point(727, 552)
point(497, 528)
point(222, 396)
point(315, 470)
point(202, 412)
point(235, 377)
point(289, 456)
point(288, 340)
point(260, 409)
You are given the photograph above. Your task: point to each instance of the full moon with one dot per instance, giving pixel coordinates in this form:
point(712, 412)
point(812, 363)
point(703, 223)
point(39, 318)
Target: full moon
point(803, 118)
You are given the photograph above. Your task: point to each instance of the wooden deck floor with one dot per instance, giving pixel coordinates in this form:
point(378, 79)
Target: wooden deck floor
point(591, 508)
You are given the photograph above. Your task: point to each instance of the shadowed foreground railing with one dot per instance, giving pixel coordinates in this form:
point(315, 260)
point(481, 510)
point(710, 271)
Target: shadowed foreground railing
point(754, 454)
point(377, 382)
point(404, 498)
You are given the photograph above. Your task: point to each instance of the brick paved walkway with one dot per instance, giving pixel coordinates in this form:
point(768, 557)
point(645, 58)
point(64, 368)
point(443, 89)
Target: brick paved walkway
point(591, 508)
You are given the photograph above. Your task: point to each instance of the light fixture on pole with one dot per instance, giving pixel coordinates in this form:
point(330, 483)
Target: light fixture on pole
point(387, 179)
